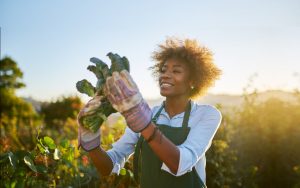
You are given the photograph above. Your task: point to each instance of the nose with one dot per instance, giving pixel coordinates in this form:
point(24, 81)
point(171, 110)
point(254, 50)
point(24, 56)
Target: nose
point(164, 75)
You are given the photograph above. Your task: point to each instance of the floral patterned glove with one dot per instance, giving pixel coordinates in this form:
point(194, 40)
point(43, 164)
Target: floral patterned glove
point(87, 139)
point(124, 95)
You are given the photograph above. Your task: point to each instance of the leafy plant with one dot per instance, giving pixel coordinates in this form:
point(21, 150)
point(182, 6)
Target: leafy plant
point(101, 70)
point(45, 166)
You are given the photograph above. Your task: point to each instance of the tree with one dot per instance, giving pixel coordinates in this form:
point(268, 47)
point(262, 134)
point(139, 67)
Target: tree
point(61, 110)
point(10, 74)
point(17, 117)
point(60, 116)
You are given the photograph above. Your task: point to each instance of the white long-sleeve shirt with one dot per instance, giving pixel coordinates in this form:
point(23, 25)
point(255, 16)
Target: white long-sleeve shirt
point(204, 121)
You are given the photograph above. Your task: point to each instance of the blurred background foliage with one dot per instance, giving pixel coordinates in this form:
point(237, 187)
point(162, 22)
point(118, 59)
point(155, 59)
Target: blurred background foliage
point(257, 144)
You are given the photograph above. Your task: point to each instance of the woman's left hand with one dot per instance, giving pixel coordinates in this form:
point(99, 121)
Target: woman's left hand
point(125, 97)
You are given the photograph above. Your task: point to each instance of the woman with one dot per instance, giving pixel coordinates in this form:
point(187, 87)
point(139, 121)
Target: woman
point(169, 142)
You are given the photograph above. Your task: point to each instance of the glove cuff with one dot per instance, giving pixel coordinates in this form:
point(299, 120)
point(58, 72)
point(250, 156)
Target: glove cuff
point(89, 146)
point(138, 117)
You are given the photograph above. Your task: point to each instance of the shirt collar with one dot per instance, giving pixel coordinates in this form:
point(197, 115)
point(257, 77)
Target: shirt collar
point(164, 113)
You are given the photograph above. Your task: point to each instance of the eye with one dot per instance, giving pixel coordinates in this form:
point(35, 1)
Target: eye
point(162, 70)
point(176, 71)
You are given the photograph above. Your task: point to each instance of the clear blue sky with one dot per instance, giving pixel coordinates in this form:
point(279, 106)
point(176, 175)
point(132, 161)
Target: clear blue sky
point(52, 41)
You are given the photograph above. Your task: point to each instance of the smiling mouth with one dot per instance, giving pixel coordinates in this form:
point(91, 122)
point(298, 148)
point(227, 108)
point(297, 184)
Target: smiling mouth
point(165, 85)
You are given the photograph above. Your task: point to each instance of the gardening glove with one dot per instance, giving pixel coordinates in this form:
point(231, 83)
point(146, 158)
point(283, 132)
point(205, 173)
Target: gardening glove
point(87, 139)
point(125, 97)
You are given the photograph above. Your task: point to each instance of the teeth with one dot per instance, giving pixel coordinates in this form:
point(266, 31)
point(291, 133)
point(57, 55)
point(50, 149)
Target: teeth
point(165, 85)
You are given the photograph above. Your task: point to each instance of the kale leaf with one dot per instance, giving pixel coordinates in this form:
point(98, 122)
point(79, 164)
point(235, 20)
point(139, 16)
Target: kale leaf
point(101, 71)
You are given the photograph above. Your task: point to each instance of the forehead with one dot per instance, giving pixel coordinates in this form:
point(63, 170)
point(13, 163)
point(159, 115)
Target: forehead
point(174, 63)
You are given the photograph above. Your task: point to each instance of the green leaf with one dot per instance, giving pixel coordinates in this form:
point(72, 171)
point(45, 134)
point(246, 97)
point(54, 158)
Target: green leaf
point(12, 159)
point(49, 142)
point(116, 62)
point(99, 63)
point(99, 86)
point(41, 148)
point(65, 143)
point(101, 66)
point(48, 139)
point(30, 163)
point(13, 184)
point(85, 87)
point(93, 122)
point(96, 71)
point(126, 63)
point(41, 169)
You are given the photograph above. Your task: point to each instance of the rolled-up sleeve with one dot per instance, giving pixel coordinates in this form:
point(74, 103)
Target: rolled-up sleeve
point(198, 141)
point(122, 149)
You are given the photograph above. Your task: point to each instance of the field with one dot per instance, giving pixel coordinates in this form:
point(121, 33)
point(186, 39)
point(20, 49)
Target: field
point(257, 144)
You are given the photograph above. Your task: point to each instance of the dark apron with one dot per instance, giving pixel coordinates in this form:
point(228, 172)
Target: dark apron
point(147, 166)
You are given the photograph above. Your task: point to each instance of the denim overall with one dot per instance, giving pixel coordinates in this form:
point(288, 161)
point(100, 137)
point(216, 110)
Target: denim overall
point(147, 166)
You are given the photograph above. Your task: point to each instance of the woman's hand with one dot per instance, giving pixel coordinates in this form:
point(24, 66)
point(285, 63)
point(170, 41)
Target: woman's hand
point(87, 139)
point(125, 97)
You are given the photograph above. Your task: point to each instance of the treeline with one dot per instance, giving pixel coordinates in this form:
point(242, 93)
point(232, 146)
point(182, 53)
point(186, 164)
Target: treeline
point(257, 144)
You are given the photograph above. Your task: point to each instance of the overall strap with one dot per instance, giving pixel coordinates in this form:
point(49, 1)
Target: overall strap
point(186, 116)
point(154, 119)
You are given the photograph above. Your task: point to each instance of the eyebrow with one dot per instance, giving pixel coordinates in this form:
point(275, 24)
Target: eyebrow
point(178, 66)
point(174, 66)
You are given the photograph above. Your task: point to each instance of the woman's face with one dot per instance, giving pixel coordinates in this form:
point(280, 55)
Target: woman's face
point(174, 79)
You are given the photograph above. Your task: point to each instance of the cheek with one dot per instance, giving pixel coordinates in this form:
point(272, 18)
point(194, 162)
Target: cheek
point(186, 79)
point(186, 86)
point(183, 82)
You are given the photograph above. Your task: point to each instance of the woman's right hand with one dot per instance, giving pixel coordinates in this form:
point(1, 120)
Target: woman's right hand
point(87, 139)
point(125, 97)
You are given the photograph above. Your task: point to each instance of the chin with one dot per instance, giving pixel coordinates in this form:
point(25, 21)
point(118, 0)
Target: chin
point(166, 94)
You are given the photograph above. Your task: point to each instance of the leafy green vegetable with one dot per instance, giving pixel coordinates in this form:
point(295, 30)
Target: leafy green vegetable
point(85, 87)
point(94, 120)
point(96, 71)
point(126, 63)
point(118, 63)
point(101, 66)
